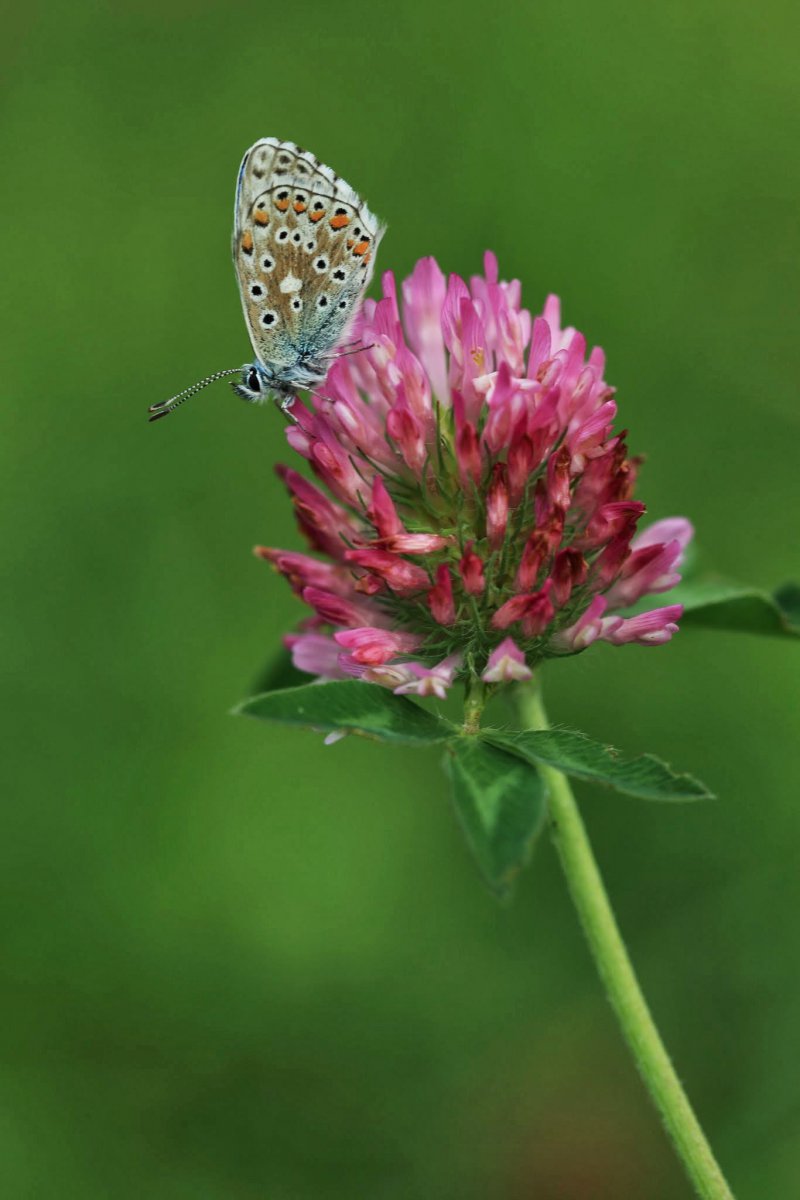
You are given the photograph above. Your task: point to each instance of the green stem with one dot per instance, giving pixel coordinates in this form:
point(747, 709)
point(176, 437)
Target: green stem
point(474, 701)
point(611, 958)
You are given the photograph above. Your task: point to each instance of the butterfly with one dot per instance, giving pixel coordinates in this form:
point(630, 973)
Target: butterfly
point(304, 246)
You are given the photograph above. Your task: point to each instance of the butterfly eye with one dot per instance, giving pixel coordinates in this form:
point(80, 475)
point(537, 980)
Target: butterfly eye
point(253, 380)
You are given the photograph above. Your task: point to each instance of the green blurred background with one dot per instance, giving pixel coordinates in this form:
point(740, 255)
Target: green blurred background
point(238, 964)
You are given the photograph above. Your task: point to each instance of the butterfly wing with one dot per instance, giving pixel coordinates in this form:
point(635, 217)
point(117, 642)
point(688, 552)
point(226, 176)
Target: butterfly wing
point(304, 247)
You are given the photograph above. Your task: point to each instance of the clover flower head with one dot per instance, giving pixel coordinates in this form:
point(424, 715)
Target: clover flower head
point(478, 513)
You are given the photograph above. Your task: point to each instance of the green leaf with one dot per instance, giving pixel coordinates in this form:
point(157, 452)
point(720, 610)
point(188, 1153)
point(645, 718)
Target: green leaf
point(350, 707)
point(575, 754)
point(500, 802)
point(279, 673)
point(733, 607)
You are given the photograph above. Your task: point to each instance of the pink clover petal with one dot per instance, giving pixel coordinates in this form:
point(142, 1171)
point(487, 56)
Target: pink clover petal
point(339, 610)
point(423, 299)
point(471, 570)
point(467, 445)
point(540, 346)
point(652, 628)
point(382, 511)
point(570, 570)
point(350, 668)
point(415, 386)
point(432, 681)
point(585, 630)
point(560, 338)
point(440, 597)
point(497, 506)
point(506, 405)
point(389, 675)
point(315, 654)
point(302, 571)
point(512, 611)
point(333, 464)
point(534, 609)
point(416, 543)
point(670, 529)
point(327, 525)
point(587, 439)
point(373, 647)
point(400, 574)
point(540, 611)
point(506, 664)
point(650, 569)
point(520, 459)
point(406, 432)
point(558, 477)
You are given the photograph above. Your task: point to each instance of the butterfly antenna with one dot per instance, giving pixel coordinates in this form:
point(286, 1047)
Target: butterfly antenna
point(358, 350)
point(162, 408)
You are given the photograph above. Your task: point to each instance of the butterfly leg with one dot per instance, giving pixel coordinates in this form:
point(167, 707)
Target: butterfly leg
point(286, 404)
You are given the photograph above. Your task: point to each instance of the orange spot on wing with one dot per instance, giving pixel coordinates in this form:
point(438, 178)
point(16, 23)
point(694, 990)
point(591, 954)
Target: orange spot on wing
point(367, 257)
point(316, 216)
point(361, 248)
point(299, 206)
point(261, 217)
point(247, 242)
point(350, 243)
point(340, 221)
point(282, 205)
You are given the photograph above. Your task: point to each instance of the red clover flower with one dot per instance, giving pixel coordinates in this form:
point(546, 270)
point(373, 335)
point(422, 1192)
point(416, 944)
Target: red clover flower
point(482, 517)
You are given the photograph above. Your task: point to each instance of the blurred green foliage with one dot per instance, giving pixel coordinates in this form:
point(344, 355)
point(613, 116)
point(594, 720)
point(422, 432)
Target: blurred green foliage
point(238, 964)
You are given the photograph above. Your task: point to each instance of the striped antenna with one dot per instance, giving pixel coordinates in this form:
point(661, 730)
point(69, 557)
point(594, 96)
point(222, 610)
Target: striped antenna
point(343, 351)
point(164, 407)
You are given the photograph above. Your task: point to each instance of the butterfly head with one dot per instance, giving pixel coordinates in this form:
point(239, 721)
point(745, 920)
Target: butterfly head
point(259, 381)
point(254, 384)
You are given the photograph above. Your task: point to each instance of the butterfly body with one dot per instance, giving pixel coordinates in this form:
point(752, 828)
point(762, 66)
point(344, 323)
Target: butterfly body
point(304, 247)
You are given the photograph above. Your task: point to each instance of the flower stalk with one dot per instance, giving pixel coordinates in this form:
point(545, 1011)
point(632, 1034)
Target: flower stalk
point(616, 971)
point(474, 701)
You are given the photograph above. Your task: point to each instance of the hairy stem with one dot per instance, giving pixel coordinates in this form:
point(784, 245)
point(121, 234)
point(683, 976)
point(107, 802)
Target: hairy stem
point(474, 701)
point(622, 987)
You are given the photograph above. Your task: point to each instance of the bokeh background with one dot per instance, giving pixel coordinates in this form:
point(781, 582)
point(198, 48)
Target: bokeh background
point(240, 965)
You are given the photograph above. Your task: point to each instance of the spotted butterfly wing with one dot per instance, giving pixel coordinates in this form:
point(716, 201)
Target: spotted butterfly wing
point(304, 247)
